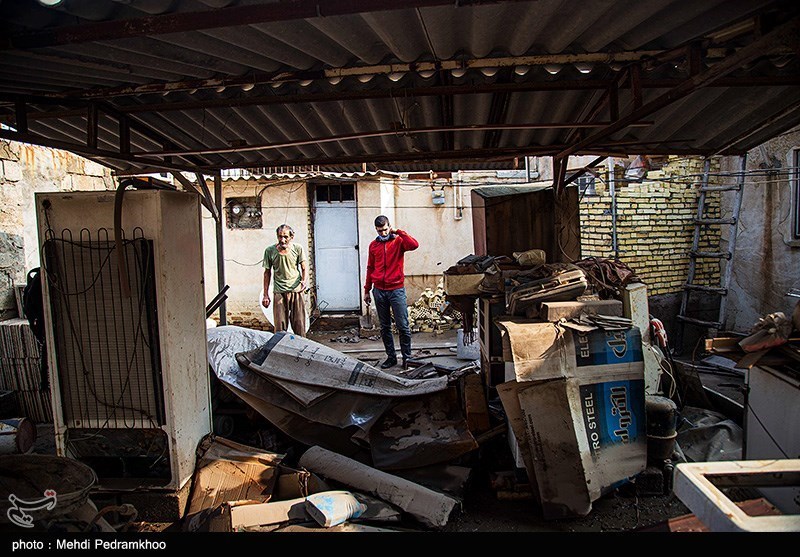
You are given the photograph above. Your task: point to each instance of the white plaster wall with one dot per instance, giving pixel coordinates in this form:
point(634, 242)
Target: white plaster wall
point(444, 239)
point(765, 265)
point(243, 249)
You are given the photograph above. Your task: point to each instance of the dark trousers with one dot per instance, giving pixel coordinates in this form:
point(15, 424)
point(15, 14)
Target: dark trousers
point(289, 307)
point(388, 303)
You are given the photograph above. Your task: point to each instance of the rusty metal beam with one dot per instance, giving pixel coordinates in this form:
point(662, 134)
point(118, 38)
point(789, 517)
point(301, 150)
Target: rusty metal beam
point(559, 172)
point(728, 149)
point(578, 173)
point(189, 186)
point(201, 181)
point(91, 126)
point(439, 66)
point(383, 133)
point(220, 252)
point(91, 153)
point(780, 81)
point(787, 33)
point(86, 109)
point(181, 22)
point(635, 74)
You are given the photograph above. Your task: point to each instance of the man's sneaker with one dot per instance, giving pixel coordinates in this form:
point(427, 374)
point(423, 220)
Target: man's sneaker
point(390, 362)
point(405, 363)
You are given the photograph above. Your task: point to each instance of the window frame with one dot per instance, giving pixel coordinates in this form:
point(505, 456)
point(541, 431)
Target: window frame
point(792, 163)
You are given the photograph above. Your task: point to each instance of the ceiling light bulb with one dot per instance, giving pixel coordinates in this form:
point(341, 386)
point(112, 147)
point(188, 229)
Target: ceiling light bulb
point(396, 76)
point(426, 74)
point(521, 70)
point(334, 80)
point(552, 69)
point(458, 72)
point(583, 67)
point(488, 72)
point(365, 78)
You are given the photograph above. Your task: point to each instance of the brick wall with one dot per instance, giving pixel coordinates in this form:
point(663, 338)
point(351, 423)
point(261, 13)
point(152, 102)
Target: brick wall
point(654, 224)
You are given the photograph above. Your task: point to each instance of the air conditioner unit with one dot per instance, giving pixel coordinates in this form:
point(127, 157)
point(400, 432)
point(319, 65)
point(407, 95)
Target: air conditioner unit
point(126, 333)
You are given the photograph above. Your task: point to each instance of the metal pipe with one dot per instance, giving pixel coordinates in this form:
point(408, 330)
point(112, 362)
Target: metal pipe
point(613, 193)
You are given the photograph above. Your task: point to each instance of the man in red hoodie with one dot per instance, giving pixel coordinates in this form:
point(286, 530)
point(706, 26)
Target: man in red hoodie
point(386, 281)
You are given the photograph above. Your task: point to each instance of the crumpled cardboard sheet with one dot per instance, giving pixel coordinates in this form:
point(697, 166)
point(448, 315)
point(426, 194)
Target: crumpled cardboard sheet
point(340, 421)
point(230, 471)
point(300, 360)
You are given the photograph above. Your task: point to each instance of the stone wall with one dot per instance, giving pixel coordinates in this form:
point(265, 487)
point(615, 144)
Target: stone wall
point(25, 169)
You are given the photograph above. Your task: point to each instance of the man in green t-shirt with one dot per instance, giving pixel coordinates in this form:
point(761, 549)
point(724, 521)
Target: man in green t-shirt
point(285, 262)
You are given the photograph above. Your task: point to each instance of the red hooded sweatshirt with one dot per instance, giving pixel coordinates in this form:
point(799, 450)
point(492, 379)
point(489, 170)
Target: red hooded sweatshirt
point(385, 262)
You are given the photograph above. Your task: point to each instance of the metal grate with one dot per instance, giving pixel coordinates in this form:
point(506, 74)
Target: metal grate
point(106, 345)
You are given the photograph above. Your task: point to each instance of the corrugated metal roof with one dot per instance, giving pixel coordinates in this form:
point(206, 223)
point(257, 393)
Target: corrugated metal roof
point(413, 85)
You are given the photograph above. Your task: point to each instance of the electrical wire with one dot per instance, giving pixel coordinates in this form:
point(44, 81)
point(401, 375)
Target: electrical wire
point(753, 412)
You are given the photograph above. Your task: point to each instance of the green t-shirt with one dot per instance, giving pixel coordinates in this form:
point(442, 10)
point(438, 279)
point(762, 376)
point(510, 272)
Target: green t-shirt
point(286, 273)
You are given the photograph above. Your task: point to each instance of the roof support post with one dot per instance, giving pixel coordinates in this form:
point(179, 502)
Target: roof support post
point(223, 315)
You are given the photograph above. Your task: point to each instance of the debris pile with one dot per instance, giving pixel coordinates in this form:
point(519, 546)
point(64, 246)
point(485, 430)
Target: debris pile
point(432, 313)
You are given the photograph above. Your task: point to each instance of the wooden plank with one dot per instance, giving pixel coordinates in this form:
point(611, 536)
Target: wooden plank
point(723, 344)
point(475, 407)
point(750, 359)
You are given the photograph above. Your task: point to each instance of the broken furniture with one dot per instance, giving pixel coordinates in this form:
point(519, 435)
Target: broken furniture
point(699, 485)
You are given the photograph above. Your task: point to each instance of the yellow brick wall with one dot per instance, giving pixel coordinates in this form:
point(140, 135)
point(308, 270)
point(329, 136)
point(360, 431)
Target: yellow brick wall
point(655, 224)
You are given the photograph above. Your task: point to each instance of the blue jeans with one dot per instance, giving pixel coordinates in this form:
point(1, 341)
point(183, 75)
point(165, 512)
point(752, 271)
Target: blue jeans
point(394, 301)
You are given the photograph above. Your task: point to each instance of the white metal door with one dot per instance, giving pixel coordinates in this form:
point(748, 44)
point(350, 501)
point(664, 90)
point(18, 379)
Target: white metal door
point(336, 251)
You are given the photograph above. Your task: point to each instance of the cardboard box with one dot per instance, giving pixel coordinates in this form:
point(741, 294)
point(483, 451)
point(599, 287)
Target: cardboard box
point(240, 516)
point(462, 285)
point(576, 407)
point(230, 471)
point(554, 311)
